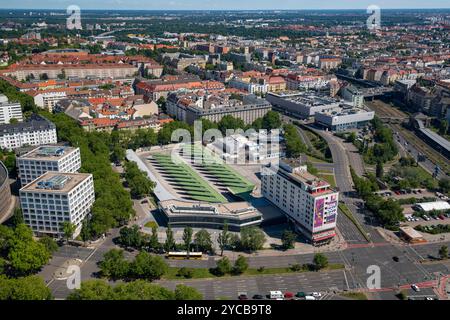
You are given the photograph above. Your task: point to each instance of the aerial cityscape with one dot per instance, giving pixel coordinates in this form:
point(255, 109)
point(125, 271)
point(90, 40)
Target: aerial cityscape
point(228, 152)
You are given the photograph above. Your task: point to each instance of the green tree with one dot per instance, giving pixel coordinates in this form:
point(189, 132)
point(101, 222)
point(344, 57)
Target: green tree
point(224, 238)
point(49, 243)
point(443, 127)
point(320, 261)
point(271, 120)
point(379, 170)
point(26, 288)
point(138, 182)
point(169, 244)
point(114, 265)
point(146, 266)
point(187, 239)
point(131, 237)
point(92, 290)
point(443, 252)
point(68, 229)
point(203, 241)
point(27, 257)
point(240, 265)
point(252, 239)
point(183, 292)
point(141, 290)
point(229, 122)
point(154, 242)
point(223, 267)
point(444, 185)
point(288, 239)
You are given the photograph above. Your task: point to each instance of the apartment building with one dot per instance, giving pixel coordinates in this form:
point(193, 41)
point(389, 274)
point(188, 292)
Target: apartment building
point(55, 198)
point(35, 163)
point(34, 132)
point(48, 100)
point(196, 106)
point(9, 110)
point(308, 202)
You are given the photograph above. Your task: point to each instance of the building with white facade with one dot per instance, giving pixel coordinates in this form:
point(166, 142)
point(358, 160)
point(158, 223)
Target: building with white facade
point(250, 87)
point(34, 132)
point(9, 110)
point(308, 201)
point(54, 198)
point(343, 118)
point(35, 163)
point(48, 100)
point(301, 104)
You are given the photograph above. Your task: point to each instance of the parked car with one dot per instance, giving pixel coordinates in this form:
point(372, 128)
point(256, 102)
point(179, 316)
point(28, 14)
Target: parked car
point(441, 217)
point(415, 288)
point(258, 297)
point(427, 218)
point(300, 294)
point(316, 294)
point(276, 295)
point(310, 298)
point(288, 295)
point(243, 296)
point(396, 259)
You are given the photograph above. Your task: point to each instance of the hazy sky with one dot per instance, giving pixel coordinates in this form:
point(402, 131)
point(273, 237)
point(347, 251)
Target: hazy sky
point(221, 4)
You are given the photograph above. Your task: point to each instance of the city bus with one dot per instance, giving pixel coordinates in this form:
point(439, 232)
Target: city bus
point(184, 255)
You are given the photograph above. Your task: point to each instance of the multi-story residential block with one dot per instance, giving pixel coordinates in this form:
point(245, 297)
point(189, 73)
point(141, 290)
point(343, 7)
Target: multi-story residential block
point(48, 100)
point(196, 106)
point(47, 158)
point(36, 131)
point(308, 201)
point(55, 198)
point(9, 110)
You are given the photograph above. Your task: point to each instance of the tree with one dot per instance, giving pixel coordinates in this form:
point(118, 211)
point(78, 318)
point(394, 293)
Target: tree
point(223, 267)
point(203, 241)
point(444, 185)
point(27, 257)
point(320, 261)
point(185, 272)
point(288, 239)
point(187, 238)
point(49, 243)
point(240, 265)
point(154, 242)
point(131, 237)
point(169, 244)
point(252, 239)
point(183, 292)
point(379, 170)
point(26, 288)
point(224, 238)
point(229, 122)
point(138, 182)
point(443, 252)
point(114, 265)
point(271, 120)
point(141, 290)
point(68, 229)
point(148, 266)
point(92, 290)
point(443, 127)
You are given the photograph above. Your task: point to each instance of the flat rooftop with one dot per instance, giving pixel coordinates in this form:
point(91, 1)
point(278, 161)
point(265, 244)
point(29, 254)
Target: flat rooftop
point(62, 182)
point(238, 209)
point(51, 152)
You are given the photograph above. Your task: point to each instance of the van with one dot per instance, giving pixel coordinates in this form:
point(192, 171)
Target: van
point(310, 298)
point(276, 295)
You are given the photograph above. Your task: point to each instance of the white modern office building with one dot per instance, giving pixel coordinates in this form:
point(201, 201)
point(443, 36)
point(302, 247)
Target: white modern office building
point(34, 132)
point(301, 104)
point(343, 118)
point(309, 202)
point(35, 163)
point(9, 110)
point(54, 198)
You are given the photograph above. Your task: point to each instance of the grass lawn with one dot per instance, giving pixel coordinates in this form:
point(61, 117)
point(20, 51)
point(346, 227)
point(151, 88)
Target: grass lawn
point(355, 295)
point(150, 224)
point(314, 159)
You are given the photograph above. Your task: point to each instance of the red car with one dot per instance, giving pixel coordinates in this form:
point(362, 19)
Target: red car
point(441, 217)
point(288, 295)
point(397, 193)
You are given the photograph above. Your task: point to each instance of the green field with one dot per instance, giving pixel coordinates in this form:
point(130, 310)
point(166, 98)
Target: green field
point(183, 177)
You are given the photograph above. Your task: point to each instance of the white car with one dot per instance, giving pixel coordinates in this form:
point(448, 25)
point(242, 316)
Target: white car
point(310, 298)
point(316, 294)
point(415, 288)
